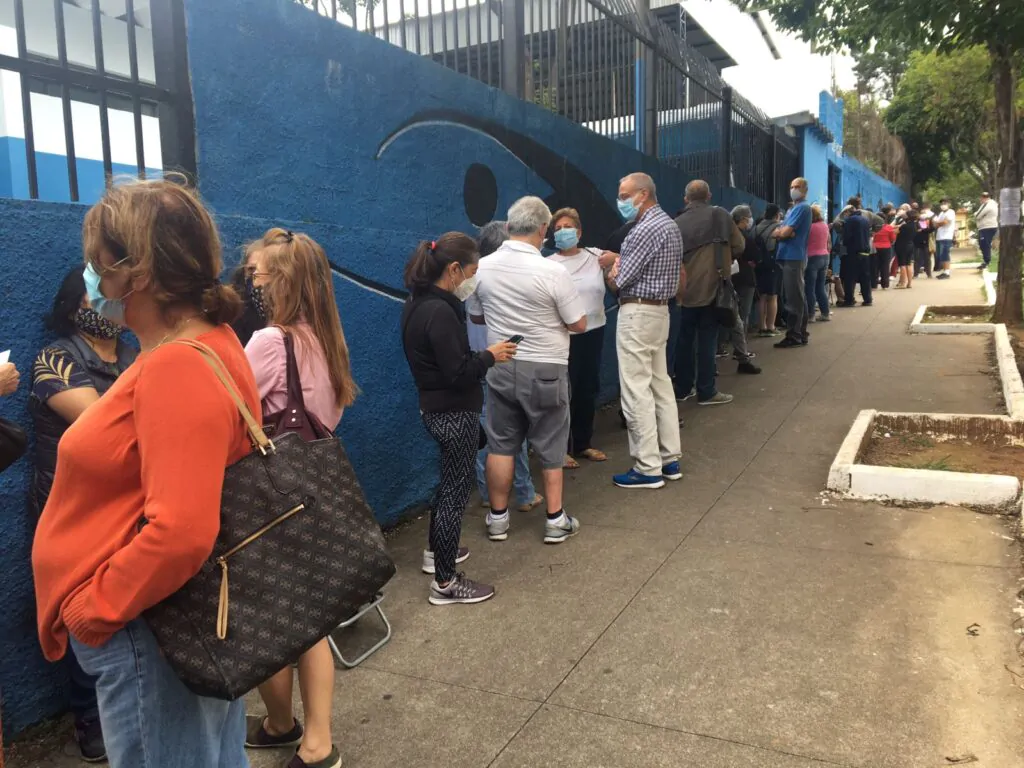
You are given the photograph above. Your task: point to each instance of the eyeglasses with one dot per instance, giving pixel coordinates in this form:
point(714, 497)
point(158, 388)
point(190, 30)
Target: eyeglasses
point(106, 270)
point(250, 272)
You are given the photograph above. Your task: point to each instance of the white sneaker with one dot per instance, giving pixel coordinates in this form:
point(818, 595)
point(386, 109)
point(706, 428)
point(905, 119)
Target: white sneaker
point(497, 527)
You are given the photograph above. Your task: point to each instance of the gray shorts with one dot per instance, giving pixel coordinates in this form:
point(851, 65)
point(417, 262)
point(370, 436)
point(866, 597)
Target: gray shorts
point(529, 401)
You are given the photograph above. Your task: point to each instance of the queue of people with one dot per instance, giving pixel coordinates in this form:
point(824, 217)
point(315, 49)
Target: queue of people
point(504, 345)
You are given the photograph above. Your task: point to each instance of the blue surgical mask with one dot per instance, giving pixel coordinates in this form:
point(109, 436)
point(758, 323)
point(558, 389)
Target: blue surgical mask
point(566, 238)
point(628, 209)
point(110, 309)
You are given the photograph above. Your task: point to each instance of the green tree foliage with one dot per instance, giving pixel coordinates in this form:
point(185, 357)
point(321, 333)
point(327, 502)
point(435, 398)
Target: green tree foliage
point(949, 25)
point(944, 109)
point(883, 66)
point(867, 138)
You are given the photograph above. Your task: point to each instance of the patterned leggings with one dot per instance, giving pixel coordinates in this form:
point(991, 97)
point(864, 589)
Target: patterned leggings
point(458, 435)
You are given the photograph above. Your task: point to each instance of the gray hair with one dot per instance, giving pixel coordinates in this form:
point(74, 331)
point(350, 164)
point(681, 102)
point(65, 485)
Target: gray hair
point(491, 236)
point(741, 212)
point(698, 191)
point(643, 183)
point(527, 215)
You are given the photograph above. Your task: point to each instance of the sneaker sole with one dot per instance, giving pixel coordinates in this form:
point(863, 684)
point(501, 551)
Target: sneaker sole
point(458, 600)
point(673, 477)
point(497, 536)
point(277, 745)
point(712, 402)
point(659, 484)
point(559, 539)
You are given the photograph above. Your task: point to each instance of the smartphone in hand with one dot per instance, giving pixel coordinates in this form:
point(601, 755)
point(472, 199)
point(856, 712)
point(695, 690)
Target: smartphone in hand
point(515, 339)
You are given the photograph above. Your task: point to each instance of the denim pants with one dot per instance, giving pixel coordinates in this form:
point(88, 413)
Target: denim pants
point(942, 249)
point(985, 237)
point(814, 284)
point(522, 485)
point(149, 718)
point(695, 353)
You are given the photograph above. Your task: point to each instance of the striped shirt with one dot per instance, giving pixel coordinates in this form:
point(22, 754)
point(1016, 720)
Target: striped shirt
point(651, 258)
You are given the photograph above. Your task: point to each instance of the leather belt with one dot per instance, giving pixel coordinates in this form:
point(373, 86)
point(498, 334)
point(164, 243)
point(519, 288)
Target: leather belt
point(645, 302)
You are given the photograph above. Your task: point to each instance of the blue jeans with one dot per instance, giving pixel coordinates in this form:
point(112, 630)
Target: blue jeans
point(985, 237)
point(522, 484)
point(814, 284)
point(149, 718)
point(695, 354)
point(942, 248)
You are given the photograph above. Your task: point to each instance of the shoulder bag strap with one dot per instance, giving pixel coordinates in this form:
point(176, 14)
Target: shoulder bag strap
point(259, 438)
point(294, 383)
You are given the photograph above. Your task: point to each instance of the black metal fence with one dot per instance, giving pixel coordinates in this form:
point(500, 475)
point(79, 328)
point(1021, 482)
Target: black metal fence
point(118, 68)
point(608, 65)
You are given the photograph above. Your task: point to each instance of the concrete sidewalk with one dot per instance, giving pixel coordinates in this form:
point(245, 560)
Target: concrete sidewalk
point(737, 618)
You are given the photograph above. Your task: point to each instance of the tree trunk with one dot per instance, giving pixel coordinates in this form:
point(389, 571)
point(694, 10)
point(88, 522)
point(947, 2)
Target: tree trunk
point(1008, 307)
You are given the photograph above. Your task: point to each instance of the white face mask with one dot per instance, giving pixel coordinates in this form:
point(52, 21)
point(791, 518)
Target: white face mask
point(465, 289)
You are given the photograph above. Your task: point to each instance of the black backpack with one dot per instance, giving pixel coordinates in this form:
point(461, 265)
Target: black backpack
point(765, 254)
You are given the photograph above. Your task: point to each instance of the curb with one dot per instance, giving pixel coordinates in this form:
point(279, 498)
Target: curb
point(840, 473)
point(928, 486)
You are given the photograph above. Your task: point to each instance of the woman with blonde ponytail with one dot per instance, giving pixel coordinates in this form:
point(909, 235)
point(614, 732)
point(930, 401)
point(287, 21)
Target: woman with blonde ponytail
point(292, 290)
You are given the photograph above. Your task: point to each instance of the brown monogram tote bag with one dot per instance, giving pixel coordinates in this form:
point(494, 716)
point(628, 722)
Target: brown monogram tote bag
point(298, 552)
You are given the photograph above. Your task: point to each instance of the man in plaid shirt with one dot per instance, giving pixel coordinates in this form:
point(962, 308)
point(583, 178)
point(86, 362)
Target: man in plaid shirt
point(646, 276)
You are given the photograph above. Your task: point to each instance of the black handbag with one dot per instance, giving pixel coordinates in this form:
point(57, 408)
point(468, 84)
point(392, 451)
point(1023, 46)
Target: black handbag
point(726, 301)
point(13, 443)
point(298, 552)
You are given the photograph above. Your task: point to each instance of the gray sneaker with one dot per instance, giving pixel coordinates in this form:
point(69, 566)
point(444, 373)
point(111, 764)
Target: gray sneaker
point(720, 398)
point(497, 527)
point(556, 534)
point(428, 559)
point(460, 590)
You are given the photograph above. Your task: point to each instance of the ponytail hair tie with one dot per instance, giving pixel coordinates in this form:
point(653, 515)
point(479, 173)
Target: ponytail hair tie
point(433, 246)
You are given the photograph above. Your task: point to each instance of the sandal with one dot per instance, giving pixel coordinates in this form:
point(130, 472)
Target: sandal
point(531, 505)
point(570, 463)
point(593, 454)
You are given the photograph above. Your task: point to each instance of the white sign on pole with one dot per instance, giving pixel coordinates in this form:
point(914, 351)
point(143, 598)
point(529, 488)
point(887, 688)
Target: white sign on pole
point(1009, 207)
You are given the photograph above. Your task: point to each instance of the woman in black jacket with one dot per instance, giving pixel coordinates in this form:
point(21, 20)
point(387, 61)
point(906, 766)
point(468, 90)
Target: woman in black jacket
point(440, 276)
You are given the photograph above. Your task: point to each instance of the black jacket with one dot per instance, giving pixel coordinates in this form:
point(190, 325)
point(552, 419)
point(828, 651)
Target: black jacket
point(747, 261)
point(446, 371)
point(857, 234)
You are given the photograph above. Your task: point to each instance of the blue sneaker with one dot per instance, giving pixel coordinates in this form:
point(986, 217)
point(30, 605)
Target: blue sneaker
point(671, 471)
point(634, 479)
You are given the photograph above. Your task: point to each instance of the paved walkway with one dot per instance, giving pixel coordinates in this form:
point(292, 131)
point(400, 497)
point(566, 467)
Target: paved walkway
point(739, 618)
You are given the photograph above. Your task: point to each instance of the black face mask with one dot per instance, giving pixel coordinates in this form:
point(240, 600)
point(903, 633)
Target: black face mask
point(91, 323)
point(258, 300)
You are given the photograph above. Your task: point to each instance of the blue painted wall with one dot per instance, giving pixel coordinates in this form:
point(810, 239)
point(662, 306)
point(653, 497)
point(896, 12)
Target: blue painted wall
point(40, 243)
point(814, 152)
point(855, 178)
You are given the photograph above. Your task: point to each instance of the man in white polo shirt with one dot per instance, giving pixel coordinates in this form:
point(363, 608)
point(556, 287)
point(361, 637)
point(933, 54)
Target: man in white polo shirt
point(521, 294)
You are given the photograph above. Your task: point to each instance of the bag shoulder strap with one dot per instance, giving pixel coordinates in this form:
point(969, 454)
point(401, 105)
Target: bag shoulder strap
point(256, 433)
point(293, 382)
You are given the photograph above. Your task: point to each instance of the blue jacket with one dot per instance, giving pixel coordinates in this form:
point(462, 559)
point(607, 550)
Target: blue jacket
point(857, 234)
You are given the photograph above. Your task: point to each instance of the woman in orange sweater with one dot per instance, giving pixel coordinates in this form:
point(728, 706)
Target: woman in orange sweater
point(135, 505)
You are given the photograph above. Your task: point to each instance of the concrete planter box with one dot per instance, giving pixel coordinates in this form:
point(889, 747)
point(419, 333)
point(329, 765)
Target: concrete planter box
point(918, 324)
point(863, 481)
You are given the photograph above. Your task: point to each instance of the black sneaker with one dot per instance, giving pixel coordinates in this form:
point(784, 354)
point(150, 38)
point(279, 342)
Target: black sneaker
point(747, 367)
point(459, 590)
point(788, 344)
point(89, 737)
point(257, 737)
point(333, 760)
